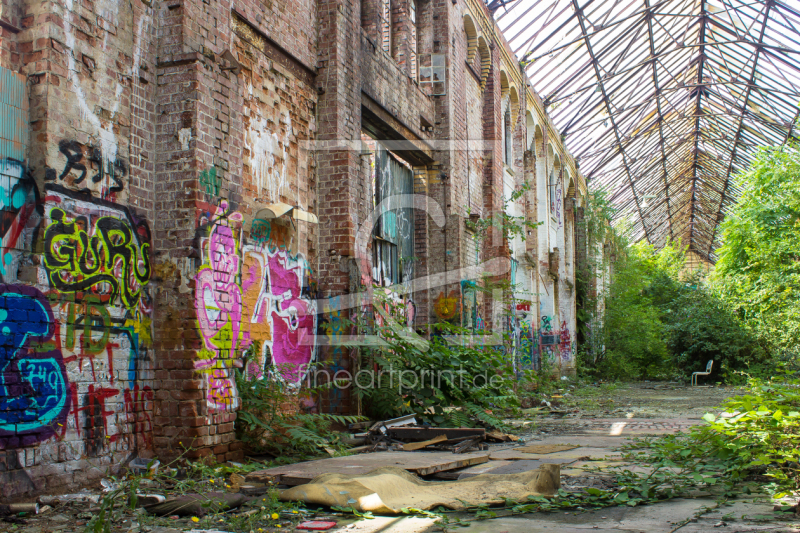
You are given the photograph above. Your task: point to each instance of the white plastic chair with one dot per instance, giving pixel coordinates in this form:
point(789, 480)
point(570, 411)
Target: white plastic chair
point(707, 372)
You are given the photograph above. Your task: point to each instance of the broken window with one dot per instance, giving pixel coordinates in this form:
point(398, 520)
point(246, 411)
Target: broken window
point(393, 237)
point(432, 73)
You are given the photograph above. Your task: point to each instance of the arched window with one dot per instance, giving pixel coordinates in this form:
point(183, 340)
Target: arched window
point(555, 173)
point(385, 15)
point(507, 137)
point(413, 37)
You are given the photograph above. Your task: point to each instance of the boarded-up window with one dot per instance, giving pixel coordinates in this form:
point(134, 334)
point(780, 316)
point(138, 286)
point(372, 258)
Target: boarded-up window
point(393, 244)
point(14, 129)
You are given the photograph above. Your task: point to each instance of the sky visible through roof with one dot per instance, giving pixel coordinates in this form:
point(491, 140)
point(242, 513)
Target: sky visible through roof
point(663, 102)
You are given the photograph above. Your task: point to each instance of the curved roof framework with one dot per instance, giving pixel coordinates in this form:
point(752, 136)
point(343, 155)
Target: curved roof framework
point(662, 102)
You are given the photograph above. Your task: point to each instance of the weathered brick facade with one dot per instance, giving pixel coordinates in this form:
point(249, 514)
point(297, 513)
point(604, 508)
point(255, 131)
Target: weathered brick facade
point(185, 181)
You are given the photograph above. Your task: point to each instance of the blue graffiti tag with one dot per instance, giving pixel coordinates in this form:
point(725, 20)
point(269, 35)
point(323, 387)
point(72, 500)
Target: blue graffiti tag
point(34, 389)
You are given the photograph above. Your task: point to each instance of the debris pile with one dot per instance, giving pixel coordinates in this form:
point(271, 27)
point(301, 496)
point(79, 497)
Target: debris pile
point(404, 434)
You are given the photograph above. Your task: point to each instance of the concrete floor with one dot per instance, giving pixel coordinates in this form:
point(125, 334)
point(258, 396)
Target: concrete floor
point(600, 427)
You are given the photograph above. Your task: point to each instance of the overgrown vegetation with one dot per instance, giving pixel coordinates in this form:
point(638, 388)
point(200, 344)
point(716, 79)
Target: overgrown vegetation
point(202, 478)
point(458, 378)
point(272, 417)
point(660, 321)
point(758, 271)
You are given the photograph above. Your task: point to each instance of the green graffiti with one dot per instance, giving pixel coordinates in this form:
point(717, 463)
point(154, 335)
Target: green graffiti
point(209, 181)
point(114, 256)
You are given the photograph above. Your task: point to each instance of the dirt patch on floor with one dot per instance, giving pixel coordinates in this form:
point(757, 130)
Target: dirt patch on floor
point(646, 400)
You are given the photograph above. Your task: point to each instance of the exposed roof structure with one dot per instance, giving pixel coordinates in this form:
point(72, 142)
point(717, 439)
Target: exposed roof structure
point(663, 102)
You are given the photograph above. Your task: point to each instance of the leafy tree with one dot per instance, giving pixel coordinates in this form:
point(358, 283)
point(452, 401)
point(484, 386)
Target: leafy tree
point(758, 271)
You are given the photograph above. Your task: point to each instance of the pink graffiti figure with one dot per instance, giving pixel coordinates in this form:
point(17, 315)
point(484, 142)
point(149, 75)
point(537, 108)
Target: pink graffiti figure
point(218, 301)
point(293, 316)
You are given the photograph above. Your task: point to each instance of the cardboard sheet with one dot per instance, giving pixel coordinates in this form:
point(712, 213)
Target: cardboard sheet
point(388, 490)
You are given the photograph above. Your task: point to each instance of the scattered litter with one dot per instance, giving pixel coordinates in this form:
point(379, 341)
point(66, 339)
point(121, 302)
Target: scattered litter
point(108, 485)
point(144, 500)
point(383, 425)
point(545, 448)
point(14, 508)
point(64, 498)
point(420, 433)
point(197, 504)
point(253, 489)
point(468, 444)
point(140, 466)
point(316, 525)
point(422, 463)
point(387, 490)
point(720, 524)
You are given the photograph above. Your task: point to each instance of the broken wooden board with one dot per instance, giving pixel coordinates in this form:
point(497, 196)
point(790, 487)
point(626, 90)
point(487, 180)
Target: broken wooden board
point(421, 463)
point(546, 448)
point(498, 467)
point(501, 437)
point(409, 434)
point(514, 454)
point(411, 446)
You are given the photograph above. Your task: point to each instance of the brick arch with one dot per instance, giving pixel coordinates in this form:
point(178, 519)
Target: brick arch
point(513, 96)
point(538, 141)
point(472, 37)
point(570, 187)
point(486, 59)
point(530, 126)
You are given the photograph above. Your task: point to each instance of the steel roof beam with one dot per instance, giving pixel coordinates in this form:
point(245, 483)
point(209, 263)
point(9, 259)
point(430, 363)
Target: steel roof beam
point(748, 91)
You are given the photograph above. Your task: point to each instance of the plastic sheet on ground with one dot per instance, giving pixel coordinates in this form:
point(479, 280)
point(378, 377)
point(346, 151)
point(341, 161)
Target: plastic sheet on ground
point(388, 490)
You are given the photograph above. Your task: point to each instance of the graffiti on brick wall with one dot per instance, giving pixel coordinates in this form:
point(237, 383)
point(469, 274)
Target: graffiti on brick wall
point(565, 342)
point(273, 304)
point(547, 349)
point(218, 301)
point(447, 306)
point(335, 329)
point(558, 204)
point(280, 309)
point(102, 326)
point(90, 80)
point(87, 251)
point(34, 388)
point(268, 154)
point(210, 182)
point(20, 214)
point(89, 169)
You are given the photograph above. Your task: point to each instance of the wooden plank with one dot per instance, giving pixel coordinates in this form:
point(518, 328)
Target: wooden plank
point(406, 434)
point(411, 446)
point(560, 457)
point(421, 463)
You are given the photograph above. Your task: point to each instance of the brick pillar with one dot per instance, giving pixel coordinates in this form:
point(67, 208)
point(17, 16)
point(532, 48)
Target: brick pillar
point(343, 197)
point(495, 245)
point(199, 189)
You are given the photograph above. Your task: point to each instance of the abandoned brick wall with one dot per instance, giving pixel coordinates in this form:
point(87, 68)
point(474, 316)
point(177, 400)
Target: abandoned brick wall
point(146, 141)
point(160, 163)
point(77, 193)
